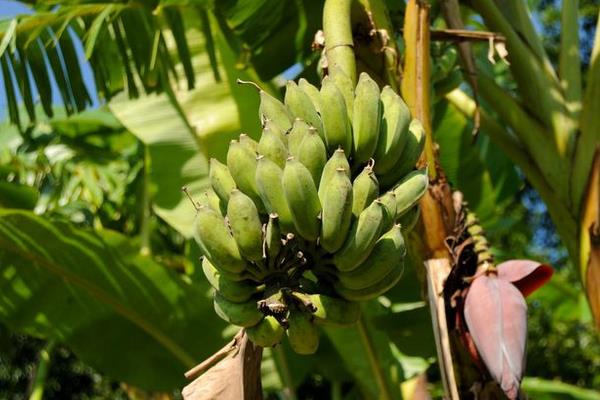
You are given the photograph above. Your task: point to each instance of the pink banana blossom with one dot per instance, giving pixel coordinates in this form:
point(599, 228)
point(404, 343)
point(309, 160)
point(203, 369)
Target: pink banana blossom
point(496, 315)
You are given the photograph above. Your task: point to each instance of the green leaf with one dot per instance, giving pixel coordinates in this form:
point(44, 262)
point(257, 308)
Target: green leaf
point(486, 177)
point(182, 132)
point(409, 326)
point(9, 35)
point(120, 312)
point(175, 157)
point(367, 355)
point(14, 195)
point(544, 389)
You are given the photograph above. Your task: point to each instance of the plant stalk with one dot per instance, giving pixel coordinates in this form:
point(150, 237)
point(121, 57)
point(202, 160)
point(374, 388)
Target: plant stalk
point(384, 390)
point(41, 373)
point(339, 44)
point(284, 372)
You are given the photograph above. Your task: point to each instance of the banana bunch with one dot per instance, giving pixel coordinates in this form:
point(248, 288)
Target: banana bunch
point(302, 225)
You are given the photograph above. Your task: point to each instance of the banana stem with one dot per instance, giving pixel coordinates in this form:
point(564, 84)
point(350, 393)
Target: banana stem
point(145, 231)
point(339, 45)
point(384, 390)
point(284, 372)
point(39, 382)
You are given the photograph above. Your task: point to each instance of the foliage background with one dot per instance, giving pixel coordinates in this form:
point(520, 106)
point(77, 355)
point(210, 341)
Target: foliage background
point(117, 168)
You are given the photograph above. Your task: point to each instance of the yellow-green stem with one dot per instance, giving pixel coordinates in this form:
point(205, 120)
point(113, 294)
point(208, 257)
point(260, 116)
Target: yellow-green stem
point(339, 45)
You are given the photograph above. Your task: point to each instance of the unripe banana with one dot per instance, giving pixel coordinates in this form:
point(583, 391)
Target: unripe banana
point(410, 190)
point(337, 211)
point(272, 245)
point(337, 160)
point(272, 109)
point(269, 181)
point(300, 105)
point(217, 244)
point(409, 219)
point(267, 333)
point(302, 199)
point(248, 143)
point(302, 333)
point(241, 162)
point(408, 158)
point(281, 134)
point(365, 119)
point(346, 88)
point(221, 180)
point(336, 123)
point(388, 254)
point(240, 314)
point(235, 292)
point(365, 189)
point(245, 225)
point(271, 146)
point(232, 276)
point(371, 292)
point(296, 135)
point(313, 154)
point(334, 311)
point(362, 237)
point(393, 131)
point(312, 92)
point(213, 201)
point(389, 203)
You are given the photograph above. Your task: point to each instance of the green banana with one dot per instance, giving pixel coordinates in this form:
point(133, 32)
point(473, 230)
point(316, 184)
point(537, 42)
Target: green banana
point(302, 333)
point(274, 110)
point(371, 292)
point(217, 244)
point(302, 199)
point(241, 162)
point(272, 245)
point(410, 190)
point(393, 131)
point(232, 276)
point(241, 314)
point(409, 219)
point(334, 311)
point(296, 135)
point(301, 106)
point(248, 143)
point(365, 119)
point(221, 180)
point(362, 237)
point(281, 134)
point(337, 211)
point(337, 160)
point(388, 254)
point(312, 92)
point(271, 146)
point(245, 225)
point(409, 157)
point(269, 182)
point(313, 154)
point(212, 201)
point(267, 333)
point(389, 202)
point(365, 189)
point(336, 124)
point(345, 86)
point(234, 291)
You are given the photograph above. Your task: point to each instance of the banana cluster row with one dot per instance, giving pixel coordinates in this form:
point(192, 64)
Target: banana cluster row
point(309, 220)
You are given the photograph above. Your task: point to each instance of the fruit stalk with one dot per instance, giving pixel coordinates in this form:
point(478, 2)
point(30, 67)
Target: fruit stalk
point(338, 37)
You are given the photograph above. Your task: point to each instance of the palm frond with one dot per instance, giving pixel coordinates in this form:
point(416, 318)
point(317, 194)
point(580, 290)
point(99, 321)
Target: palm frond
point(124, 43)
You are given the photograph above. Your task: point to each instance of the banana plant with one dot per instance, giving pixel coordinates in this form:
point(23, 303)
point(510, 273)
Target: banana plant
point(547, 126)
point(166, 68)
